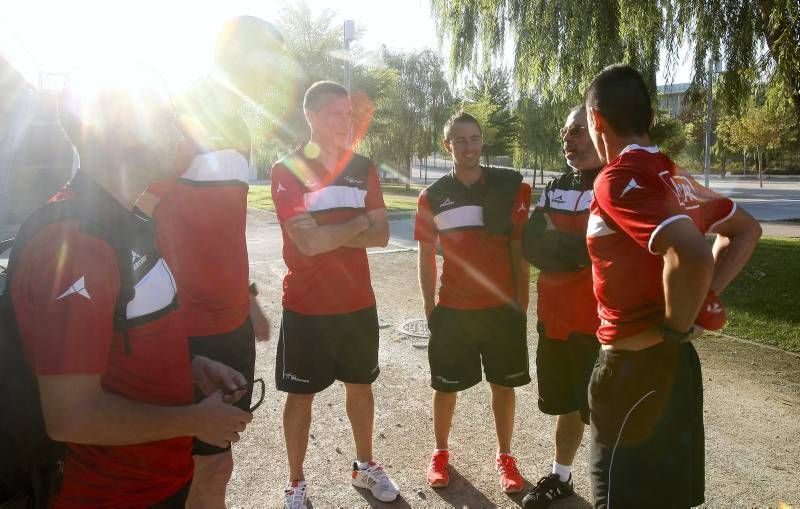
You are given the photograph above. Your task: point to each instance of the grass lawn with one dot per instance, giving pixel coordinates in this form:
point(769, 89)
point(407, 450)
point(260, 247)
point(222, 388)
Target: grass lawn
point(396, 198)
point(762, 303)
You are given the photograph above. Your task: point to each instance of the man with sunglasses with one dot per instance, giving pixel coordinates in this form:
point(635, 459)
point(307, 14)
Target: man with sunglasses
point(554, 241)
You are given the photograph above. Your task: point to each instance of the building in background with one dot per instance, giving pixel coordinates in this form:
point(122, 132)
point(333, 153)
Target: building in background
point(672, 98)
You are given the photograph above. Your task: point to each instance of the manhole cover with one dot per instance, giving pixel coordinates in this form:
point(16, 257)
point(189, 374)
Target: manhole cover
point(417, 330)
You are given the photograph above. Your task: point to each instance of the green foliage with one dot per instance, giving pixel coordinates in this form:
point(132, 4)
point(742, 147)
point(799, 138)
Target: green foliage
point(559, 46)
point(411, 106)
point(669, 134)
point(537, 144)
point(490, 96)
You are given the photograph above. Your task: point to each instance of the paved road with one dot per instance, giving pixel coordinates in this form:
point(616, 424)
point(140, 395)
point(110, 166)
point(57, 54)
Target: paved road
point(778, 200)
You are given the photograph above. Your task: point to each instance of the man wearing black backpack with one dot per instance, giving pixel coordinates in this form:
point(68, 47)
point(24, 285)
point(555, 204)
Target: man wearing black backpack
point(93, 311)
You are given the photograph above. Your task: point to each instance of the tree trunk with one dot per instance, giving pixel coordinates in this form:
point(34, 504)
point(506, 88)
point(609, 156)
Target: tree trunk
point(408, 180)
point(758, 158)
point(744, 162)
point(723, 170)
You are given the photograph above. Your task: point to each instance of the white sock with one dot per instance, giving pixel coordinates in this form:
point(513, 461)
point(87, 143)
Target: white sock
point(563, 471)
point(435, 450)
point(362, 465)
point(506, 453)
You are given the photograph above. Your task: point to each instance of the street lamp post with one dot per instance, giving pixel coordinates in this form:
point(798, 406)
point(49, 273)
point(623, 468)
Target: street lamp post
point(707, 148)
point(349, 36)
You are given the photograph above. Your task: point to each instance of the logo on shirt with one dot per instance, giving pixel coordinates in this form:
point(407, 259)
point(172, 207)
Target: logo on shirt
point(521, 207)
point(352, 180)
point(714, 308)
point(138, 259)
point(558, 199)
point(631, 185)
point(447, 202)
point(280, 187)
point(78, 287)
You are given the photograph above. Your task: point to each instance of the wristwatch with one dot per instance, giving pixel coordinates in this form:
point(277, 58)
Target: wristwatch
point(253, 289)
point(671, 335)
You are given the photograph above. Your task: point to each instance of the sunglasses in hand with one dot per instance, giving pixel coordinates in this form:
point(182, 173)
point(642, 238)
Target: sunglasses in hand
point(259, 381)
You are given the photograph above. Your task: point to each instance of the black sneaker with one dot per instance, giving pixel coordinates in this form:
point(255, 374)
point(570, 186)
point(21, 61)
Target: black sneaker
point(546, 490)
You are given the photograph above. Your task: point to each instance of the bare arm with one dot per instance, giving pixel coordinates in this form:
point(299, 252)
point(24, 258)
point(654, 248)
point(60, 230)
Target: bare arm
point(688, 268)
point(426, 268)
point(736, 240)
point(521, 271)
point(377, 235)
point(77, 409)
point(312, 239)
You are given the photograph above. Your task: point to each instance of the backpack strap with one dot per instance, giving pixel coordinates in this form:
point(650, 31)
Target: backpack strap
point(501, 189)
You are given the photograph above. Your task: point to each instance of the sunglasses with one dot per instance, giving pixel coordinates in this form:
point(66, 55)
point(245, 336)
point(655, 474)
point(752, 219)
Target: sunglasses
point(259, 381)
point(573, 130)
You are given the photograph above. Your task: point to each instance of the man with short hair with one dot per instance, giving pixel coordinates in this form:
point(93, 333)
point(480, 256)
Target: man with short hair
point(554, 241)
point(477, 214)
point(656, 280)
point(116, 390)
point(201, 217)
point(330, 208)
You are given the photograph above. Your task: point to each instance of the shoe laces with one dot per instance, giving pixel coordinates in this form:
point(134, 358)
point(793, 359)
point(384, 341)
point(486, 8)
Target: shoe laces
point(507, 465)
point(295, 494)
point(438, 462)
point(547, 483)
point(376, 472)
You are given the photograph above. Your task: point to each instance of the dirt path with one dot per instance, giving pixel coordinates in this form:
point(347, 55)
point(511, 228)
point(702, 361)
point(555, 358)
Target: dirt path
point(752, 417)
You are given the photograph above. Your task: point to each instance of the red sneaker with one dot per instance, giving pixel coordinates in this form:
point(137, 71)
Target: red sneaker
point(510, 480)
point(438, 476)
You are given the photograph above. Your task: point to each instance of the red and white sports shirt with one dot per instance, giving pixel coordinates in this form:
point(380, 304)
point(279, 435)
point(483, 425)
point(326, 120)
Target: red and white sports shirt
point(635, 196)
point(338, 281)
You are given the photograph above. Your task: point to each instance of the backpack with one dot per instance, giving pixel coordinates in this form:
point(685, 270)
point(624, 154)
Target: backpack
point(31, 464)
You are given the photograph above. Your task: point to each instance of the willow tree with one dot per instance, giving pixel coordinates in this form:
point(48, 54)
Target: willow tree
point(560, 45)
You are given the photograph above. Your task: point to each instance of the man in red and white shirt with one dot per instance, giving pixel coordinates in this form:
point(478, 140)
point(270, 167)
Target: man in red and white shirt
point(656, 280)
point(201, 216)
point(554, 241)
point(330, 208)
point(477, 215)
point(121, 398)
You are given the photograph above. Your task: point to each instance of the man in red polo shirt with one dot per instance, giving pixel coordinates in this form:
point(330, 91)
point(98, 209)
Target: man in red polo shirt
point(554, 241)
point(330, 208)
point(657, 283)
point(201, 217)
point(480, 313)
point(119, 395)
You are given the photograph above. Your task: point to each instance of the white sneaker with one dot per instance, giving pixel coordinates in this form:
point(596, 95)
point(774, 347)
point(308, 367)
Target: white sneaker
point(294, 496)
point(376, 481)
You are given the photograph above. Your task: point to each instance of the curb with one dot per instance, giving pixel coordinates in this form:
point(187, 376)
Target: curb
point(754, 343)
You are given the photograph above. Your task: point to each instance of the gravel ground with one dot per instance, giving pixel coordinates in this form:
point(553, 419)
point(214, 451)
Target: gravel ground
point(752, 409)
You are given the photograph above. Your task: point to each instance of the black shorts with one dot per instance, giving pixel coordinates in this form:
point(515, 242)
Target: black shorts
point(315, 350)
point(236, 349)
point(461, 339)
point(563, 370)
point(647, 428)
point(175, 501)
